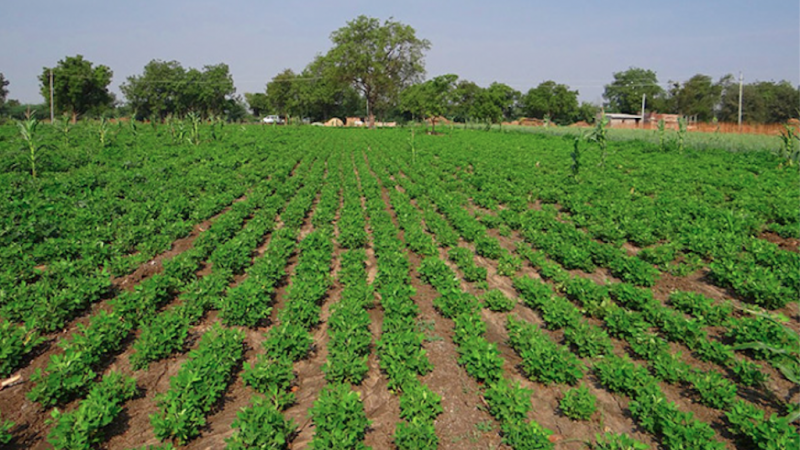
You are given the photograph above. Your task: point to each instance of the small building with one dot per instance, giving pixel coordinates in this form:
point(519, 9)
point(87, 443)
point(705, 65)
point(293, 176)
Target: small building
point(623, 120)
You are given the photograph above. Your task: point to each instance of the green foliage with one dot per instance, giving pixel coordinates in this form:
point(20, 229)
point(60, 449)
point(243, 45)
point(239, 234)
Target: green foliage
point(624, 94)
point(542, 359)
point(80, 428)
point(78, 86)
point(378, 59)
point(5, 431)
point(15, 343)
point(339, 419)
point(166, 89)
point(614, 441)
point(495, 300)
point(201, 380)
point(552, 100)
point(771, 433)
point(261, 425)
point(30, 137)
point(578, 403)
point(508, 402)
point(273, 378)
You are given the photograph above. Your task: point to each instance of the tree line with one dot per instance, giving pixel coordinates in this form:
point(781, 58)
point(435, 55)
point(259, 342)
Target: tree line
point(377, 68)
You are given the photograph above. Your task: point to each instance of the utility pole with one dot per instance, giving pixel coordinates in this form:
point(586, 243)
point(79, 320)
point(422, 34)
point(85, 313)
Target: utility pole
point(643, 99)
point(740, 102)
point(52, 117)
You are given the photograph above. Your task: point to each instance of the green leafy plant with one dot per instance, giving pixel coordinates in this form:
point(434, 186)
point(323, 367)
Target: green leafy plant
point(30, 137)
point(621, 441)
point(578, 403)
point(339, 418)
point(495, 300)
point(5, 431)
point(80, 429)
point(261, 425)
point(599, 136)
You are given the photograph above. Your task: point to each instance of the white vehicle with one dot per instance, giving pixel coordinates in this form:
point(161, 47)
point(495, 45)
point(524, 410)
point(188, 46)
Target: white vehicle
point(273, 120)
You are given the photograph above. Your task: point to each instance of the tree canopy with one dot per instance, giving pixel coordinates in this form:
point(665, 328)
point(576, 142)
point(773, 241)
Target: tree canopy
point(431, 99)
point(624, 94)
point(697, 96)
point(378, 59)
point(3, 91)
point(552, 100)
point(166, 88)
point(79, 87)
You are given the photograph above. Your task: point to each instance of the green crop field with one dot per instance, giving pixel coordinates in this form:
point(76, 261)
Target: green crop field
point(195, 285)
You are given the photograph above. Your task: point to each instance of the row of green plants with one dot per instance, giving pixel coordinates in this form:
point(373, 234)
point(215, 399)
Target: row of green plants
point(70, 374)
point(169, 330)
point(508, 402)
point(199, 383)
point(179, 270)
point(348, 325)
point(654, 199)
point(81, 428)
point(707, 383)
point(114, 212)
point(713, 389)
point(400, 349)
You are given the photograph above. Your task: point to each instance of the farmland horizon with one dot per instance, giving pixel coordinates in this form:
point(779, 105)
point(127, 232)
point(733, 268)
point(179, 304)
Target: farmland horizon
point(518, 44)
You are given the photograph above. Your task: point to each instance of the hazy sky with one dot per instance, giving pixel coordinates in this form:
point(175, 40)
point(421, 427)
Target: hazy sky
point(521, 43)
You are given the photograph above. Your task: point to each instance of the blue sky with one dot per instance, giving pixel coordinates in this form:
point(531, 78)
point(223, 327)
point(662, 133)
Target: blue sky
point(520, 43)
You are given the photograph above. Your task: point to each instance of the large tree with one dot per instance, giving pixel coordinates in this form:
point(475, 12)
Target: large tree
point(552, 100)
point(378, 59)
point(78, 86)
point(624, 94)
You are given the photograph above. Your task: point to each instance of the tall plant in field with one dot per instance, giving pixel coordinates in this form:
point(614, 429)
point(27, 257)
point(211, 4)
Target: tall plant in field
point(681, 133)
point(600, 136)
point(27, 130)
point(661, 133)
point(789, 144)
point(576, 155)
point(194, 131)
point(103, 131)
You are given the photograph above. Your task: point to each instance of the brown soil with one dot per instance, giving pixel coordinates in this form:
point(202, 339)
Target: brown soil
point(790, 244)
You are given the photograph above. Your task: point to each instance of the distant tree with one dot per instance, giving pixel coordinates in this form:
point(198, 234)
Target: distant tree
point(166, 88)
point(464, 98)
point(431, 99)
point(283, 94)
point(495, 103)
point(323, 95)
point(762, 102)
point(3, 91)
point(78, 87)
point(553, 100)
point(257, 102)
point(699, 96)
point(379, 60)
point(587, 112)
point(624, 94)
point(157, 92)
point(214, 90)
